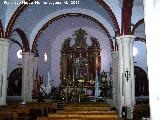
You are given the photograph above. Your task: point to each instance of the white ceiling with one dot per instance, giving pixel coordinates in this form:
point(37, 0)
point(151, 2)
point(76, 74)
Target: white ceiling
point(31, 19)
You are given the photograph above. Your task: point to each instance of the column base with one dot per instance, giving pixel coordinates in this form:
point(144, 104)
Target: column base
point(2, 102)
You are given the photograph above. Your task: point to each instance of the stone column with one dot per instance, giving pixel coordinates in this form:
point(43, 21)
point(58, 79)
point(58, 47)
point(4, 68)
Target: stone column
point(126, 70)
point(120, 73)
point(27, 76)
point(115, 78)
point(4, 45)
point(127, 45)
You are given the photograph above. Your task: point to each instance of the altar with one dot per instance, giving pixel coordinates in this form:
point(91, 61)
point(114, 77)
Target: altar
point(80, 66)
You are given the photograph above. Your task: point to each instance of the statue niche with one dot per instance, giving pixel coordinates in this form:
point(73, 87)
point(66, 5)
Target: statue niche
point(80, 62)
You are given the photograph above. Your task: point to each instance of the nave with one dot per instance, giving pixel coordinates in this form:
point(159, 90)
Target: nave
point(70, 111)
point(40, 43)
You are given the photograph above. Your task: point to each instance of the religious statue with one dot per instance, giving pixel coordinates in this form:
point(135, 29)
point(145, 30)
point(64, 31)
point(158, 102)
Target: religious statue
point(80, 37)
point(66, 43)
point(97, 90)
point(80, 68)
point(45, 89)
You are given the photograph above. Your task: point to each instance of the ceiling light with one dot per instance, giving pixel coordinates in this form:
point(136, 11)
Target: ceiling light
point(45, 57)
point(135, 51)
point(19, 54)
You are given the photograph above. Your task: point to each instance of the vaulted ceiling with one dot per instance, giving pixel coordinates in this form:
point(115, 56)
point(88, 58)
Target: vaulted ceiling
point(41, 21)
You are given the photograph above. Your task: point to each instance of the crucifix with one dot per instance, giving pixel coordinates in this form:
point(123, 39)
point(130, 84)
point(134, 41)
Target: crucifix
point(127, 74)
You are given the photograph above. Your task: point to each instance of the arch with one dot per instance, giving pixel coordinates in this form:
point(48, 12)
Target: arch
point(140, 39)
point(15, 82)
point(141, 21)
point(23, 38)
point(22, 7)
point(141, 82)
point(111, 14)
point(19, 10)
point(63, 16)
point(65, 11)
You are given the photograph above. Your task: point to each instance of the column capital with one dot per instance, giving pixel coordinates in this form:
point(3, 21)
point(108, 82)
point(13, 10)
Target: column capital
point(36, 59)
point(125, 38)
point(27, 54)
point(5, 41)
point(115, 54)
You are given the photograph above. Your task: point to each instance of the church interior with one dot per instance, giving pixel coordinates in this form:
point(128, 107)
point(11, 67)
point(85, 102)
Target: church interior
point(73, 60)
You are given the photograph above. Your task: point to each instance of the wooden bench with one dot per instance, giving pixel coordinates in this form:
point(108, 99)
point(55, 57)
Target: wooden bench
point(59, 118)
point(74, 118)
point(42, 106)
point(80, 108)
point(141, 110)
point(86, 115)
point(88, 104)
point(85, 111)
point(21, 111)
point(8, 114)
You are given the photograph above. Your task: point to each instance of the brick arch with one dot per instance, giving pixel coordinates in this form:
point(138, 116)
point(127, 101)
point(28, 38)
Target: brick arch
point(24, 39)
point(141, 21)
point(19, 10)
point(22, 7)
point(112, 15)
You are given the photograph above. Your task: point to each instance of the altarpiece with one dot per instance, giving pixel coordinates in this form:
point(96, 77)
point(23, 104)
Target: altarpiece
point(80, 63)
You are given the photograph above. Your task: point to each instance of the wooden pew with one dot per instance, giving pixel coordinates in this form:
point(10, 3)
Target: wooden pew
point(8, 114)
point(59, 118)
point(141, 110)
point(85, 111)
point(81, 108)
point(74, 118)
point(88, 104)
point(42, 106)
point(21, 110)
point(84, 115)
